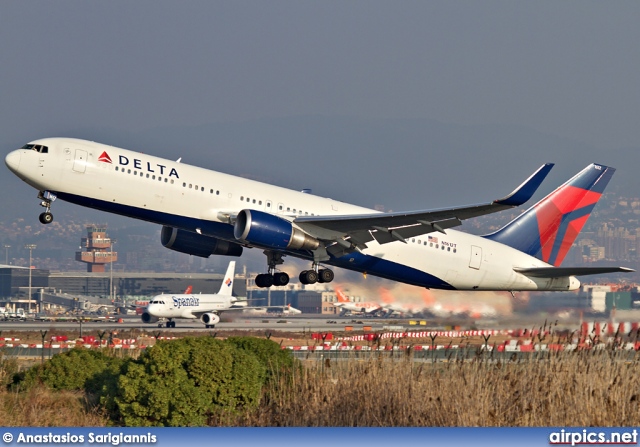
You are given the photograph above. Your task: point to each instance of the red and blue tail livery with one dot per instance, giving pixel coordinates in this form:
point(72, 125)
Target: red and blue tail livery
point(548, 229)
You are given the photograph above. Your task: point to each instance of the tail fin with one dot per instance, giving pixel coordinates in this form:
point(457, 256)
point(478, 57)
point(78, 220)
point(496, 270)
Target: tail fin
point(547, 229)
point(227, 283)
point(188, 290)
point(341, 296)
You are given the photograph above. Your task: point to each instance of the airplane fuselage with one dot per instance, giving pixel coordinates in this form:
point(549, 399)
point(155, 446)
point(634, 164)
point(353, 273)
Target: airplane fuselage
point(187, 306)
point(204, 202)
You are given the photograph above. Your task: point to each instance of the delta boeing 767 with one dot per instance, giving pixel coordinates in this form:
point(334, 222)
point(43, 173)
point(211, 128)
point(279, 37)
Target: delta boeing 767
point(204, 213)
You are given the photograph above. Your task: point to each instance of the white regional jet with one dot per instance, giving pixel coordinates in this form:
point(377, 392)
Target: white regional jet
point(203, 307)
point(205, 213)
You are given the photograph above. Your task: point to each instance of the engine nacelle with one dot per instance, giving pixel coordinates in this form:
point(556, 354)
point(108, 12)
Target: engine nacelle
point(266, 230)
point(148, 318)
point(196, 244)
point(210, 318)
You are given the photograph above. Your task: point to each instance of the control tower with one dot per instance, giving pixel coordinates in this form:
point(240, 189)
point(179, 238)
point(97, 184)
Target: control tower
point(98, 249)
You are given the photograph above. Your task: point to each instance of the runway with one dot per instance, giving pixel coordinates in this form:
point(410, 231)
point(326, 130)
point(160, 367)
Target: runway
point(286, 324)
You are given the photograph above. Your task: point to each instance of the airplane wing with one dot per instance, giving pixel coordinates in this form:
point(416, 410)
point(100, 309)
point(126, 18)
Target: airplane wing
point(561, 272)
point(351, 232)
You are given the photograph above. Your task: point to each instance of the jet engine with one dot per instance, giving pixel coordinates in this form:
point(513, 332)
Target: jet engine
point(210, 319)
point(148, 318)
point(196, 244)
point(266, 230)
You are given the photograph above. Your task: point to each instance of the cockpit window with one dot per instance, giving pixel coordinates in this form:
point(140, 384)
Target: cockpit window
point(37, 147)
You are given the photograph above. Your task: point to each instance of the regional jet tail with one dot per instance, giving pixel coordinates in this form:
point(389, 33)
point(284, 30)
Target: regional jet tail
point(204, 307)
point(204, 213)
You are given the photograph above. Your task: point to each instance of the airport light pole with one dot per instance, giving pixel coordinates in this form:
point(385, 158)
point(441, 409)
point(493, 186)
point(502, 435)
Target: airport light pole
point(111, 297)
point(6, 253)
point(30, 247)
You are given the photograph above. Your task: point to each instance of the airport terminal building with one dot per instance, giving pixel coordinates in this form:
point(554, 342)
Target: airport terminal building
point(14, 284)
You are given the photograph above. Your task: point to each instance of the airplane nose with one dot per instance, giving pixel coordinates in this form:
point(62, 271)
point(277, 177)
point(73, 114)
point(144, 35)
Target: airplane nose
point(12, 160)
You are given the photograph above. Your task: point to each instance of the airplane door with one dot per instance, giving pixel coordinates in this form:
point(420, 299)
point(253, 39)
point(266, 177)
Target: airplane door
point(80, 162)
point(476, 257)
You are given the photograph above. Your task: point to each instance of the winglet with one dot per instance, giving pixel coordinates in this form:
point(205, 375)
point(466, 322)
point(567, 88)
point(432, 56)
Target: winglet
point(524, 192)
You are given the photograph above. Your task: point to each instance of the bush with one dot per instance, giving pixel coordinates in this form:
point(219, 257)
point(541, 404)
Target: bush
point(275, 359)
point(185, 383)
point(8, 369)
point(77, 369)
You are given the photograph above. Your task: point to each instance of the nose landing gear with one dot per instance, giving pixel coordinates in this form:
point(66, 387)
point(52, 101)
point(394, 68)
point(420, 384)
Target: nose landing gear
point(47, 198)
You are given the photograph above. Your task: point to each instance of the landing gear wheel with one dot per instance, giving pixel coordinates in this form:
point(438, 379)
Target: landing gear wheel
point(308, 277)
point(264, 280)
point(46, 218)
point(325, 275)
point(280, 279)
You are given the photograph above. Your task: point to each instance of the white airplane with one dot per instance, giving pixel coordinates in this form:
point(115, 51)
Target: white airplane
point(348, 307)
point(205, 213)
point(203, 307)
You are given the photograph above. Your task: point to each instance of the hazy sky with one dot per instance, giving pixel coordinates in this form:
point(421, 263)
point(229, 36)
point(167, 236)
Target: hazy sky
point(565, 68)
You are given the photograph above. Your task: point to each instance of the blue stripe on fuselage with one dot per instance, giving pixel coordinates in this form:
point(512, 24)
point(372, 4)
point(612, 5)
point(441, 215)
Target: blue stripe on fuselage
point(355, 261)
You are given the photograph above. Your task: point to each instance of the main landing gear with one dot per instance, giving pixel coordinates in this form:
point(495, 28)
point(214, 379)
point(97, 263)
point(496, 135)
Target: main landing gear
point(274, 278)
point(169, 323)
point(47, 198)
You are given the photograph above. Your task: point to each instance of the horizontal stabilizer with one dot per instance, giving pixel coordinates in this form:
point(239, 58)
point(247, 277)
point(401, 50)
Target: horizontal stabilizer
point(561, 272)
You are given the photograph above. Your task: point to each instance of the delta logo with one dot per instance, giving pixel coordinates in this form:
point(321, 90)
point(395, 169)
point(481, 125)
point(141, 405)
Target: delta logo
point(104, 157)
point(228, 282)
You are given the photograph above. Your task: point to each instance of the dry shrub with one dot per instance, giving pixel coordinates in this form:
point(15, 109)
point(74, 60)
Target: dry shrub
point(41, 407)
point(597, 388)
